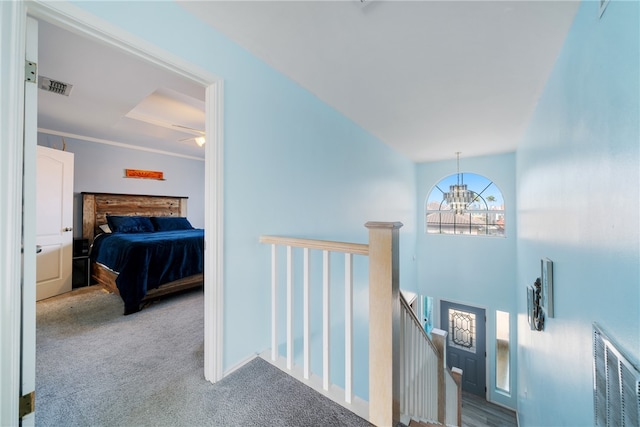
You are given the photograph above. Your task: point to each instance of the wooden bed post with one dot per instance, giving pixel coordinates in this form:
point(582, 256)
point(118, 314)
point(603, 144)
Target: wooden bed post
point(88, 216)
point(183, 207)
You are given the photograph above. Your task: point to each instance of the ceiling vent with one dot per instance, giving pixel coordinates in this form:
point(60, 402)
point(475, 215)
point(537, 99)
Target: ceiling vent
point(55, 86)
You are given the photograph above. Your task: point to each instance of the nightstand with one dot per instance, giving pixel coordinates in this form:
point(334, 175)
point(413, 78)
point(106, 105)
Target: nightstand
point(81, 275)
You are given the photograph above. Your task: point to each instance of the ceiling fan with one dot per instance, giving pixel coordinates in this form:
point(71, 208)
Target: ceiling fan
point(198, 135)
point(199, 139)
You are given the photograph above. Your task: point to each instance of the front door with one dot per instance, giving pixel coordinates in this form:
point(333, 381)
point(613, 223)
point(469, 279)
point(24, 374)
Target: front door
point(54, 221)
point(466, 348)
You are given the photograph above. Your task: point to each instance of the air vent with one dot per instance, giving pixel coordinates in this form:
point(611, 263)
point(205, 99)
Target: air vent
point(616, 384)
point(55, 86)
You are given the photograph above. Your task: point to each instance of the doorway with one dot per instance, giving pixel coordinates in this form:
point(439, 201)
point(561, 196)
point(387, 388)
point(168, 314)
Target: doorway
point(73, 19)
point(20, 320)
point(466, 343)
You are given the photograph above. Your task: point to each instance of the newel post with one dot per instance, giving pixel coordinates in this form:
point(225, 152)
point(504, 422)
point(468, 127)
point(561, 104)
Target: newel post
point(384, 323)
point(457, 377)
point(439, 339)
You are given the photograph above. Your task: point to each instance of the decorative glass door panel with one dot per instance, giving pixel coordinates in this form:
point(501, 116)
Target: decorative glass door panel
point(462, 330)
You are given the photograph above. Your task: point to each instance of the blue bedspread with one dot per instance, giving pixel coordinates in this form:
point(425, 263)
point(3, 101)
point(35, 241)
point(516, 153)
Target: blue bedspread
point(147, 260)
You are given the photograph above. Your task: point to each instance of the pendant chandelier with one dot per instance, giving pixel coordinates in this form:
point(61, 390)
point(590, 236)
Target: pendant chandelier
point(458, 197)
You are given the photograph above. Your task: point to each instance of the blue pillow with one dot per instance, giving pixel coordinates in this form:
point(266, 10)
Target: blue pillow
point(129, 224)
point(170, 223)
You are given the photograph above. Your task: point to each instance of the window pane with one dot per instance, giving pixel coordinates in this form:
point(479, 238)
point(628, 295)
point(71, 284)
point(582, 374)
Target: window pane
point(502, 351)
point(484, 216)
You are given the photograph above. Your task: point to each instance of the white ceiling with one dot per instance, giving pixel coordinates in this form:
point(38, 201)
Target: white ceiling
point(427, 77)
point(116, 97)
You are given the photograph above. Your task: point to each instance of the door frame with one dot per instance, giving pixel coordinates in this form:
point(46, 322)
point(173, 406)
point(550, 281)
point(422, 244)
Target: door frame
point(12, 54)
point(65, 15)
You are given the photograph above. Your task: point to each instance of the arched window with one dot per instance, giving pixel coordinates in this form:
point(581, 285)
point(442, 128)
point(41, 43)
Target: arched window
point(483, 213)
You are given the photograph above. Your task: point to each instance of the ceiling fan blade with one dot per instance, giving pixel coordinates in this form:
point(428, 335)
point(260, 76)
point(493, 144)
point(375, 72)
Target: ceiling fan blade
point(189, 128)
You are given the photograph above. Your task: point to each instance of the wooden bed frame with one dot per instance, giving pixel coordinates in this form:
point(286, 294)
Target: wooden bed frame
point(96, 207)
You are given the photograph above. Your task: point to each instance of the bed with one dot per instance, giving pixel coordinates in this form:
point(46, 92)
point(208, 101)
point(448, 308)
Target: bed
point(141, 261)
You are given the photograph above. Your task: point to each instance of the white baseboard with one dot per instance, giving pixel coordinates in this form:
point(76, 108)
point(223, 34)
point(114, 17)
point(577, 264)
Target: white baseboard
point(239, 365)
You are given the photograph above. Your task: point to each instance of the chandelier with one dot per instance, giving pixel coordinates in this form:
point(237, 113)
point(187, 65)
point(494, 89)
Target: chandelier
point(458, 197)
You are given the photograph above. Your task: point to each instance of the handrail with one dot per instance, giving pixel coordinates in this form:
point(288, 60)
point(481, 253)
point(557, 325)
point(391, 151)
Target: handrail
point(325, 245)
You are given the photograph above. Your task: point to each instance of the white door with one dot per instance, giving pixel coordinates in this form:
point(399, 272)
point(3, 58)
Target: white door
point(54, 220)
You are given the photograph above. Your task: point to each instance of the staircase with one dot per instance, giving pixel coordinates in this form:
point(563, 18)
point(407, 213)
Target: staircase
point(408, 378)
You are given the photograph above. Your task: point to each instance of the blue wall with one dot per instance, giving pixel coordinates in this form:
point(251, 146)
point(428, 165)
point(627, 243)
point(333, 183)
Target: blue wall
point(578, 205)
point(472, 270)
point(292, 166)
point(100, 168)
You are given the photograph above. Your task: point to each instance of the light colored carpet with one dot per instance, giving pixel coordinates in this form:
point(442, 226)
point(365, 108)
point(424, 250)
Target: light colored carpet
point(96, 367)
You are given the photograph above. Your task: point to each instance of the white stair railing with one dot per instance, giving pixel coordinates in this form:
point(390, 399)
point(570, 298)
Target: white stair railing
point(429, 391)
point(326, 247)
point(407, 371)
point(419, 369)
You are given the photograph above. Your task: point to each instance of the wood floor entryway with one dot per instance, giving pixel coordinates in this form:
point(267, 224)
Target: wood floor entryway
point(477, 412)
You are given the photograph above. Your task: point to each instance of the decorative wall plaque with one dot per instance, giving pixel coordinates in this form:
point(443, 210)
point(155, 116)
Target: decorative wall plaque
point(143, 174)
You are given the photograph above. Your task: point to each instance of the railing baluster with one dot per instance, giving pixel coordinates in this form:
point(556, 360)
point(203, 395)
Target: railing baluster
point(402, 361)
point(418, 369)
point(289, 307)
point(407, 365)
point(325, 319)
point(407, 373)
point(421, 379)
point(274, 303)
point(305, 308)
point(418, 374)
point(408, 368)
point(425, 376)
point(411, 373)
point(348, 327)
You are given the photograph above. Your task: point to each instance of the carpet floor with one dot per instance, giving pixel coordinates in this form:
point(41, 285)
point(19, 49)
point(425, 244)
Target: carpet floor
point(96, 367)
